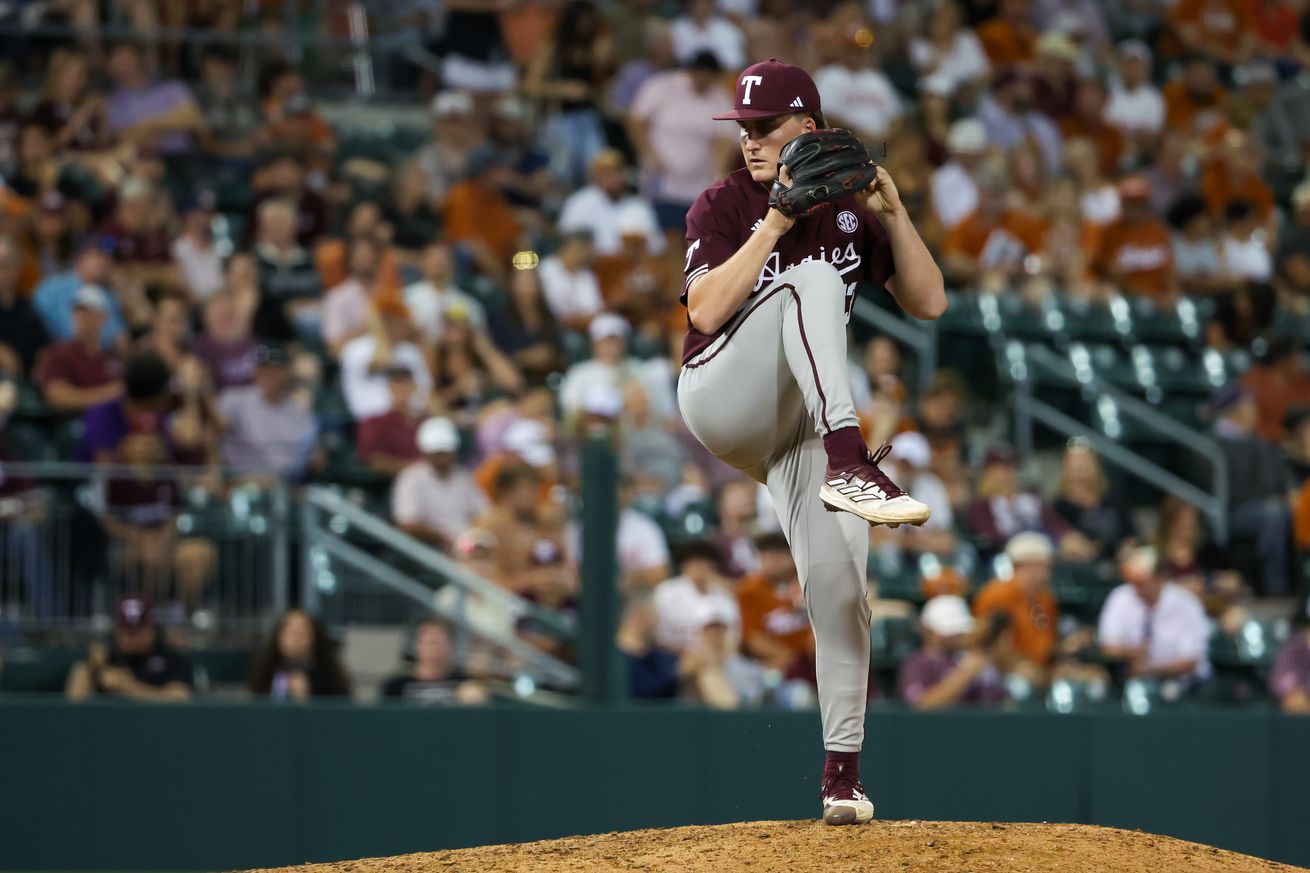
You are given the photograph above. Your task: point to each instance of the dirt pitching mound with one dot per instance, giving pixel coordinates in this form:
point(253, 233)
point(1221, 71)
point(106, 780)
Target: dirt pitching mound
point(804, 846)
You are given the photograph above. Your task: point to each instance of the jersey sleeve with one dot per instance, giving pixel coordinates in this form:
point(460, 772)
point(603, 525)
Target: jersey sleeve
point(713, 235)
point(880, 265)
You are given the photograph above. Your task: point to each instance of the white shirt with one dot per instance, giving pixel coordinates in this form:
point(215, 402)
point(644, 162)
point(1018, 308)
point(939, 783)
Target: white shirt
point(569, 294)
point(864, 99)
point(683, 133)
point(345, 311)
point(1248, 258)
point(592, 210)
point(1101, 206)
point(367, 393)
point(641, 543)
point(680, 609)
point(427, 304)
point(445, 504)
point(655, 377)
point(1136, 109)
point(1179, 630)
point(202, 268)
point(964, 62)
point(954, 194)
point(719, 35)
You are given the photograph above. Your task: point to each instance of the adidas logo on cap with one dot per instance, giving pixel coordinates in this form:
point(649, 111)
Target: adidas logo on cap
point(797, 104)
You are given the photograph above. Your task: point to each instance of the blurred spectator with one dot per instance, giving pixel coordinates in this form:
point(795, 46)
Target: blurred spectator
point(913, 460)
point(386, 443)
point(656, 56)
point(568, 286)
point(289, 284)
point(528, 177)
point(595, 208)
point(72, 114)
point(634, 282)
point(473, 50)
point(142, 432)
point(266, 432)
point(1259, 484)
point(1172, 174)
point(1292, 274)
point(524, 442)
point(525, 328)
point(1244, 245)
point(652, 669)
point(226, 346)
point(284, 177)
point(1009, 38)
point(444, 161)
point(680, 149)
point(775, 627)
point(610, 364)
point(1197, 261)
point(1028, 608)
point(1088, 506)
point(433, 499)
point(682, 602)
point(292, 120)
point(643, 553)
point(997, 238)
point(1278, 384)
point(1009, 115)
point(738, 511)
point(1001, 510)
point(1136, 105)
point(1086, 120)
point(1083, 21)
point(54, 297)
point(700, 28)
point(170, 335)
point(1055, 80)
point(1136, 251)
point(1154, 628)
point(954, 191)
point(478, 217)
point(366, 223)
point(569, 71)
point(22, 334)
point(856, 93)
point(468, 369)
point(79, 373)
point(55, 229)
point(366, 359)
point(298, 661)
point(527, 546)
point(1269, 121)
point(1193, 99)
point(434, 679)
point(1187, 559)
point(1289, 681)
point(231, 113)
point(949, 51)
point(710, 668)
point(953, 666)
point(195, 251)
point(138, 664)
point(145, 112)
point(346, 305)
point(1219, 29)
point(432, 296)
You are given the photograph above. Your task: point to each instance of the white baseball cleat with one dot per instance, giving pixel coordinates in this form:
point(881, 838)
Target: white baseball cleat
point(844, 800)
point(868, 492)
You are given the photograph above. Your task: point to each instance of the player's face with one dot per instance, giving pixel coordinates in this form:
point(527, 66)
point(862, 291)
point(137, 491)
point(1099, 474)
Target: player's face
point(762, 141)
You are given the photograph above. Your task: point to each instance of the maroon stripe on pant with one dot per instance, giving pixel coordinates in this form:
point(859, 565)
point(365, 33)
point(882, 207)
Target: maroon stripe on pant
point(818, 386)
point(727, 335)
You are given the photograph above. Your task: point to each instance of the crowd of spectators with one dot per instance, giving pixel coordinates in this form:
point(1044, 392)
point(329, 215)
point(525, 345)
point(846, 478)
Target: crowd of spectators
point(510, 283)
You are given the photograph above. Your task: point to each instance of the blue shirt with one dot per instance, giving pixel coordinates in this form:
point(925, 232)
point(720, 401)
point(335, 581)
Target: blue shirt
point(53, 300)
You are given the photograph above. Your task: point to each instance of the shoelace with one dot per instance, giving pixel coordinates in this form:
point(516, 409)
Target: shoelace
point(839, 786)
point(881, 479)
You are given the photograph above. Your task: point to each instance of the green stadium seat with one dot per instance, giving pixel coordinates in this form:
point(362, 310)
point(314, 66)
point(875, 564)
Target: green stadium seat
point(963, 315)
point(891, 641)
point(1172, 325)
point(1044, 323)
point(1096, 323)
point(30, 402)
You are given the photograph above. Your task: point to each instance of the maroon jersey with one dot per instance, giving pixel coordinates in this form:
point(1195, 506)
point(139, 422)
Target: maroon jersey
point(842, 233)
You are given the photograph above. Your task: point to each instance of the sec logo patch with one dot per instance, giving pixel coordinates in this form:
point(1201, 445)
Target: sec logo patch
point(847, 221)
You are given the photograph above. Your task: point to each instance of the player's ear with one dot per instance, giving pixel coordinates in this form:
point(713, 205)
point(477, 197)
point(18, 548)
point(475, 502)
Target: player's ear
point(809, 123)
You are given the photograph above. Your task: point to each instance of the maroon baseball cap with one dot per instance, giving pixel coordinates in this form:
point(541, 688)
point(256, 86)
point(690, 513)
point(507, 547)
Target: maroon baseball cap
point(772, 88)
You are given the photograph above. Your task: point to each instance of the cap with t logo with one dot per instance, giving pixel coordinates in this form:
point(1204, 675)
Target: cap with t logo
point(772, 88)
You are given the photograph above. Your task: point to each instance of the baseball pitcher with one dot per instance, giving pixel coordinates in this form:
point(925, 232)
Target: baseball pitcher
point(774, 252)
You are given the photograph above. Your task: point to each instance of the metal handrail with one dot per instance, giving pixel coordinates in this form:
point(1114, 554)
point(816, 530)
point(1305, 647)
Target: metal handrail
point(921, 338)
point(326, 500)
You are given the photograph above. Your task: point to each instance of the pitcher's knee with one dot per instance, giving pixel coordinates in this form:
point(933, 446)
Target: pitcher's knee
point(815, 276)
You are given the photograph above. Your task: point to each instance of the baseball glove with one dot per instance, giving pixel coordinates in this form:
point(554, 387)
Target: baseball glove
point(825, 165)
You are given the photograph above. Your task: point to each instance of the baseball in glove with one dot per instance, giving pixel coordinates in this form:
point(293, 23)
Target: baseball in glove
point(825, 165)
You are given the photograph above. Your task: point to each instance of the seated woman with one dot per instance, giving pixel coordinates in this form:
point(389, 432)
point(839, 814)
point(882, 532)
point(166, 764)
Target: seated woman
point(1087, 506)
point(434, 678)
point(298, 661)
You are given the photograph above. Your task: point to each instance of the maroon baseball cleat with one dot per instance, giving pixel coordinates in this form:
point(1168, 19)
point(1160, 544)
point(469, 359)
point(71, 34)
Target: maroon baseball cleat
point(844, 800)
point(865, 490)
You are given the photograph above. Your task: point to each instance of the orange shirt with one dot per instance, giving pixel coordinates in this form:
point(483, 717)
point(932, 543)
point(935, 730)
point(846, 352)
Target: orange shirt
point(764, 611)
point(1219, 23)
point(1219, 187)
point(1301, 516)
point(1140, 254)
point(1273, 398)
point(1107, 138)
point(330, 261)
point(1182, 108)
point(475, 212)
point(1015, 233)
point(485, 475)
point(1032, 618)
point(1006, 44)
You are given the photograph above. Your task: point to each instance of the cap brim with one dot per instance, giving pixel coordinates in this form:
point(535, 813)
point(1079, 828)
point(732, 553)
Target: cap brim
point(751, 114)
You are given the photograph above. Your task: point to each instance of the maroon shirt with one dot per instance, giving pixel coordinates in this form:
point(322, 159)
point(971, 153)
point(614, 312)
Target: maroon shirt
point(724, 216)
point(923, 670)
point(149, 246)
point(1291, 668)
point(230, 365)
point(72, 362)
point(391, 433)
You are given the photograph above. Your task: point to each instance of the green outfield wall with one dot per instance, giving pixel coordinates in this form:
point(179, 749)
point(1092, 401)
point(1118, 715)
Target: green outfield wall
point(211, 786)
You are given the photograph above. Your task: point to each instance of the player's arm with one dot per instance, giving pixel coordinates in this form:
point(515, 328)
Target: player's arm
point(917, 284)
point(714, 296)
